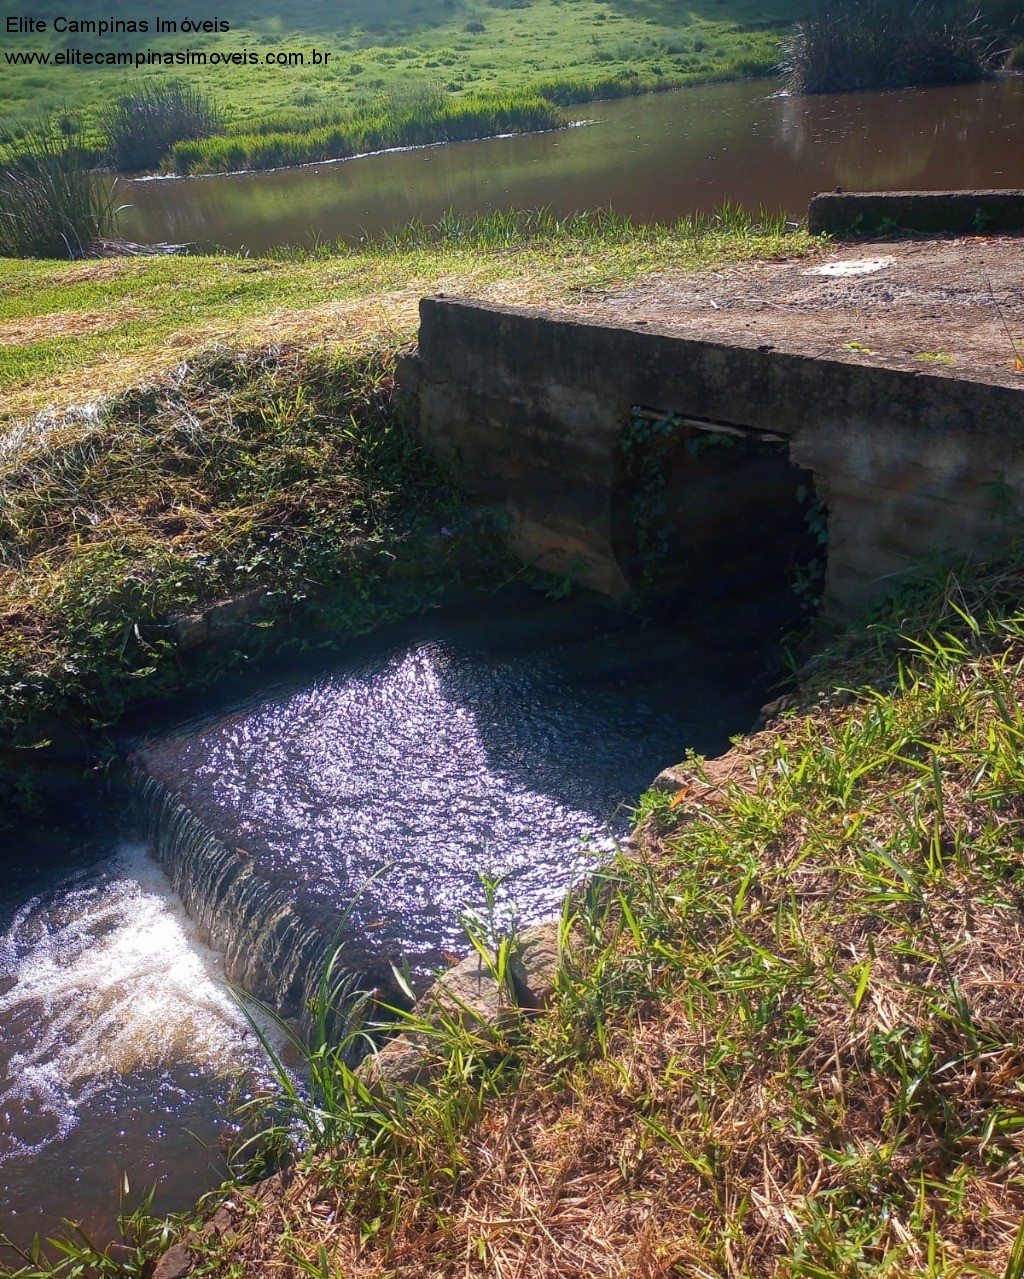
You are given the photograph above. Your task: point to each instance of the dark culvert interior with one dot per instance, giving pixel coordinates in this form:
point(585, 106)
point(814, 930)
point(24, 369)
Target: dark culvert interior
point(716, 520)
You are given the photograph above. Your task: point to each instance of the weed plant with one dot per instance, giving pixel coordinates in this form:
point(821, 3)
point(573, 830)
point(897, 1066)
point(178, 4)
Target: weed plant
point(504, 229)
point(73, 1254)
point(142, 125)
point(51, 205)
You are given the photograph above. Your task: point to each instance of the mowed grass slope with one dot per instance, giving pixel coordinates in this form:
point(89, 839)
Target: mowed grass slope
point(73, 332)
point(401, 50)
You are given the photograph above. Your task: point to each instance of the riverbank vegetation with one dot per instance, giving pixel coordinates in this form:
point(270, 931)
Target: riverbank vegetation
point(413, 121)
point(235, 437)
point(849, 45)
point(141, 126)
point(476, 49)
point(789, 1040)
point(786, 1041)
point(50, 206)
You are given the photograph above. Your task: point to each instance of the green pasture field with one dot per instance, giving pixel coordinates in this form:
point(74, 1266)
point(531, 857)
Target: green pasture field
point(390, 52)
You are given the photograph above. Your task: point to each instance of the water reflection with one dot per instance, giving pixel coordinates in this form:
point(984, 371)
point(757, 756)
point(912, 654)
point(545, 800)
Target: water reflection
point(437, 761)
point(657, 156)
point(437, 749)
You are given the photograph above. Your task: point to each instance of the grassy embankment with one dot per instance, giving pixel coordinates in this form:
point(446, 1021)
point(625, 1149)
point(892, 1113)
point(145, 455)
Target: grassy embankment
point(788, 1043)
point(464, 68)
point(244, 441)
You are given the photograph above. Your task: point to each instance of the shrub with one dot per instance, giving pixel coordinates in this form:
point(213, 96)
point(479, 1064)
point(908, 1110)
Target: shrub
point(143, 124)
point(884, 44)
point(51, 205)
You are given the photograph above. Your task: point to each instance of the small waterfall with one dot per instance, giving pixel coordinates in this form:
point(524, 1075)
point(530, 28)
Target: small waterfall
point(409, 784)
point(269, 948)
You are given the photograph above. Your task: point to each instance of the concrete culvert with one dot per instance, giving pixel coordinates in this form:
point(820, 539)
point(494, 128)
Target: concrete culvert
point(710, 517)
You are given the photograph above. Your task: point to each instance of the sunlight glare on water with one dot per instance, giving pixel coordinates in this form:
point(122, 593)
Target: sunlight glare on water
point(433, 766)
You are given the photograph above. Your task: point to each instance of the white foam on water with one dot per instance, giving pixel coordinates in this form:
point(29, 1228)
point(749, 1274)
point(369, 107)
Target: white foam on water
point(101, 977)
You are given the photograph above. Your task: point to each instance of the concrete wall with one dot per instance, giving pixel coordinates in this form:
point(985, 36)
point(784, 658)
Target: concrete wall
point(910, 465)
point(944, 212)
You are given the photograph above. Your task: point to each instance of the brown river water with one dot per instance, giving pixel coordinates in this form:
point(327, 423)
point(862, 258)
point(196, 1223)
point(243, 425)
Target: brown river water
point(658, 157)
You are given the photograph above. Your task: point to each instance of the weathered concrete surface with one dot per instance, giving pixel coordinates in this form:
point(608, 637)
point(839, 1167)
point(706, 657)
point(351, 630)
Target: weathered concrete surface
point(891, 303)
point(930, 212)
point(911, 464)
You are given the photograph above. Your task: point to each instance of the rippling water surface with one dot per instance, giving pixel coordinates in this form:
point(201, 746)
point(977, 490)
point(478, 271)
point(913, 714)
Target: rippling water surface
point(655, 157)
point(117, 1038)
point(444, 760)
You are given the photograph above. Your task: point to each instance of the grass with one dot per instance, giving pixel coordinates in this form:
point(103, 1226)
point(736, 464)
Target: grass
point(50, 206)
point(143, 1239)
point(236, 435)
point(884, 44)
point(465, 48)
point(438, 118)
point(141, 126)
point(71, 333)
point(789, 1041)
point(279, 472)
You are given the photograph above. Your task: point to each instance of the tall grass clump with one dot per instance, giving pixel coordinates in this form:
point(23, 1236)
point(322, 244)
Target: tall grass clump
point(849, 45)
point(282, 472)
point(143, 124)
point(51, 206)
point(509, 228)
point(1003, 19)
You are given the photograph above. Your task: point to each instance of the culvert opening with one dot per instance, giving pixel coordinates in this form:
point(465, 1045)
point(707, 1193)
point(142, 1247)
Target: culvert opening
point(711, 516)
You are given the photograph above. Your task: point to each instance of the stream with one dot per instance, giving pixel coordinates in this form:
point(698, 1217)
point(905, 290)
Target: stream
point(509, 745)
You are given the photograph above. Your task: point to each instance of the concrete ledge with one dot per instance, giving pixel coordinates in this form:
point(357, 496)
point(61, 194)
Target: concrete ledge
point(913, 466)
point(952, 212)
